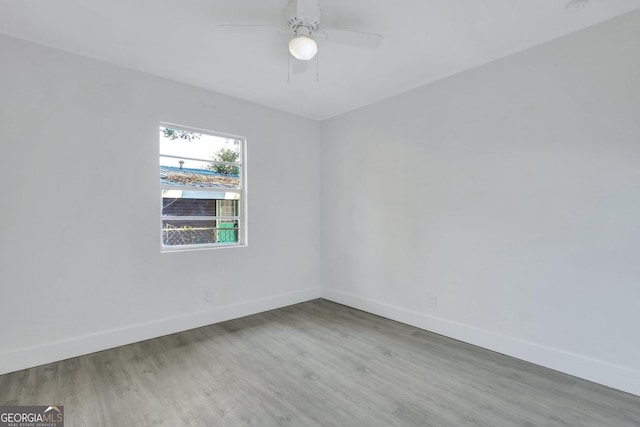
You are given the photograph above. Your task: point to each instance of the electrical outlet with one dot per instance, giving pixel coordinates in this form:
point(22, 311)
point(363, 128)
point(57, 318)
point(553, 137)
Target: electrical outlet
point(209, 295)
point(432, 301)
point(577, 5)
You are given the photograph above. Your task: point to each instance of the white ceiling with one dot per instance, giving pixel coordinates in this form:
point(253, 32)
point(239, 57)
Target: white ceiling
point(424, 40)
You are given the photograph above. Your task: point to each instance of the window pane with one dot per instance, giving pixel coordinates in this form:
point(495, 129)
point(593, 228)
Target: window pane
point(176, 142)
point(190, 232)
point(188, 207)
point(184, 206)
point(201, 185)
point(179, 193)
point(219, 176)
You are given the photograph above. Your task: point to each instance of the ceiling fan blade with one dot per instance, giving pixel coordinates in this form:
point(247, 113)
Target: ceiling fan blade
point(298, 67)
point(250, 28)
point(353, 38)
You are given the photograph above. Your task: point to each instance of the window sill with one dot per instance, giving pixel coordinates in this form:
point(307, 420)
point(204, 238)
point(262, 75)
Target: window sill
point(170, 249)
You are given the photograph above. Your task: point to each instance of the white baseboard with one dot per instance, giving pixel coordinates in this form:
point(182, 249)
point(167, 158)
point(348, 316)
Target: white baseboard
point(608, 374)
point(77, 346)
point(611, 375)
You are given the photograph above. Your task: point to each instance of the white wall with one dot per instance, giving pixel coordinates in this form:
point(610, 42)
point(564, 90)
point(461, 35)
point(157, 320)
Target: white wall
point(80, 262)
point(511, 193)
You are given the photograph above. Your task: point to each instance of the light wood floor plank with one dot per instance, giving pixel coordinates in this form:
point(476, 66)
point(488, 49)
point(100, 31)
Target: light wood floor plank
point(314, 364)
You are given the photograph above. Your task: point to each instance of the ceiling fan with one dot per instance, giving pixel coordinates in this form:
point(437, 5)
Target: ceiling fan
point(303, 24)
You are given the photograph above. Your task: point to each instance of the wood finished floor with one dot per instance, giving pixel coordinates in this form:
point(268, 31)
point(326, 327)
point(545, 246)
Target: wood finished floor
point(313, 364)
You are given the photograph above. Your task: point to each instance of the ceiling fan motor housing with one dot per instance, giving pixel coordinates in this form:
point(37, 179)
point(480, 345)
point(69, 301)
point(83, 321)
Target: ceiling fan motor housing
point(303, 26)
point(303, 16)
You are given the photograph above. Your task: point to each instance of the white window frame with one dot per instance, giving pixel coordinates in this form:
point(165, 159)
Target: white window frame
point(242, 191)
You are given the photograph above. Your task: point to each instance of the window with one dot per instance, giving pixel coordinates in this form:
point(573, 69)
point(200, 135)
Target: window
point(202, 188)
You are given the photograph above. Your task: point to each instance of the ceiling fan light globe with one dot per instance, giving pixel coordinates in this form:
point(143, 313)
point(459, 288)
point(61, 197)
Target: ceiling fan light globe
point(303, 48)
